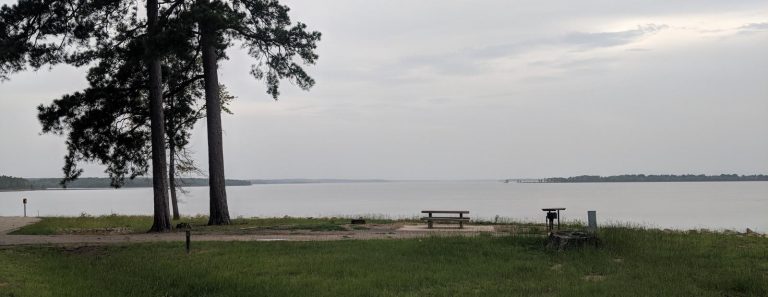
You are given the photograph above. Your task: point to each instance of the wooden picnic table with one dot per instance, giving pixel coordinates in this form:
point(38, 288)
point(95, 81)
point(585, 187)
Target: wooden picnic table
point(430, 218)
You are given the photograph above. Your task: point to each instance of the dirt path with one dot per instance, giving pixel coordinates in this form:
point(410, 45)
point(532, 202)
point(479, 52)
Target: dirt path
point(8, 224)
point(7, 240)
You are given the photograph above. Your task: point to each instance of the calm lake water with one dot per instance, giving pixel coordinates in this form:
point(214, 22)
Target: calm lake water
point(714, 205)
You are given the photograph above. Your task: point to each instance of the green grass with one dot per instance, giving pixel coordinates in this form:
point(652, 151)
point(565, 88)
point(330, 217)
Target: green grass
point(631, 262)
point(86, 224)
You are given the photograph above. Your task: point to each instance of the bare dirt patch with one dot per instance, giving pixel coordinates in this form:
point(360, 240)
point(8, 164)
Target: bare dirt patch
point(448, 228)
point(520, 229)
point(594, 278)
point(9, 224)
point(374, 231)
point(87, 250)
point(97, 231)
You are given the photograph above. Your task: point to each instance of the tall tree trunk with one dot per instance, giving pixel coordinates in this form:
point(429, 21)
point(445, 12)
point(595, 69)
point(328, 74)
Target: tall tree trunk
point(172, 177)
point(162, 221)
point(172, 156)
point(219, 210)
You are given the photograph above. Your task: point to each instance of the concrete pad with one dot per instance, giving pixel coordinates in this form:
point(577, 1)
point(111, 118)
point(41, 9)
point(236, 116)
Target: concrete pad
point(447, 228)
point(8, 224)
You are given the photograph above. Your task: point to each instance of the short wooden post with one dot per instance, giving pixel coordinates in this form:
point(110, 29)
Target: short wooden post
point(188, 233)
point(24, 200)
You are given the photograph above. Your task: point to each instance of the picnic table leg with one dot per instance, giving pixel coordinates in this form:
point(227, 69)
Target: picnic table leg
point(461, 224)
point(429, 224)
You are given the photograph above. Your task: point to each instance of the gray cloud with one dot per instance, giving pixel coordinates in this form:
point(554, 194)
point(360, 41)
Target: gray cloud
point(470, 61)
point(753, 27)
point(458, 89)
point(608, 39)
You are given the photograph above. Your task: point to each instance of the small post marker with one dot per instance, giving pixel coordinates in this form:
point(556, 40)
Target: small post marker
point(592, 221)
point(24, 200)
point(188, 233)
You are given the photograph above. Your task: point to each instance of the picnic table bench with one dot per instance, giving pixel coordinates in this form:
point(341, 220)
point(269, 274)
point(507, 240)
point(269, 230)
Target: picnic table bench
point(430, 218)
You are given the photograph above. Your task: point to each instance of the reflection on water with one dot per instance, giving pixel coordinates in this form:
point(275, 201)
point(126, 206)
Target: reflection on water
point(717, 205)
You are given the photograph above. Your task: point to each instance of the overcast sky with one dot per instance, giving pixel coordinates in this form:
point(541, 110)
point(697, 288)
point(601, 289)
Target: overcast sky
point(478, 89)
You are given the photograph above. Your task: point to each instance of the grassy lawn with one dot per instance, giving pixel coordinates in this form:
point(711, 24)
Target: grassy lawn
point(630, 263)
point(120, 224)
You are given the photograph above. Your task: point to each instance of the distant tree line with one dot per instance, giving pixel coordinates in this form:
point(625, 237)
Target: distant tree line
point(656, 178)
point(16, 183)
point(13, 183)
